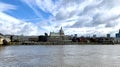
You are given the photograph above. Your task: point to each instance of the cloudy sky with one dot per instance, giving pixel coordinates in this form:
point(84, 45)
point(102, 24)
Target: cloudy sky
point(82, 17)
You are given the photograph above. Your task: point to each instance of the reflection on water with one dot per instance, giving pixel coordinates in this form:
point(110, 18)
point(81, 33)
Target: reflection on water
point(60, 56)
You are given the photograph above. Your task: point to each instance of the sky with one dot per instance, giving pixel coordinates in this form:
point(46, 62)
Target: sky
point(82, 17)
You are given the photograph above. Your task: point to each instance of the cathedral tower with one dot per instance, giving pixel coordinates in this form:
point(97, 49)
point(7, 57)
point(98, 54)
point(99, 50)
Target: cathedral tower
point(61, 32)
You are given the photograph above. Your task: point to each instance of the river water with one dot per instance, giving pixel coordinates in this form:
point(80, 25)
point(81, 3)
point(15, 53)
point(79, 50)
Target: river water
point(60, 56)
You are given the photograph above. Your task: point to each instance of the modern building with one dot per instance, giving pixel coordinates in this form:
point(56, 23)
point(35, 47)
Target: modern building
point(118, 34)
point(108, 35)
point(94, 36)
point(117, 39)
point(75, 35)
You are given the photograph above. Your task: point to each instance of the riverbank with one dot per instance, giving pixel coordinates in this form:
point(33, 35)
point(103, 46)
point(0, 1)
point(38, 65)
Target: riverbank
point(58, 43)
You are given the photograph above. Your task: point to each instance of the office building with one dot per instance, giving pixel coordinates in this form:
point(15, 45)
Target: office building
point(118, 34)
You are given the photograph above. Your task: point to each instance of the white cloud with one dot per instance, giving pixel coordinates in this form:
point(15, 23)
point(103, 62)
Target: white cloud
point(76, 16)
point(5, 7)
point(11, 25)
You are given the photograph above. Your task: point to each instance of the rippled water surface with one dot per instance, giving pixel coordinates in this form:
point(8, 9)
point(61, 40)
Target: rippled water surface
point(60, 56)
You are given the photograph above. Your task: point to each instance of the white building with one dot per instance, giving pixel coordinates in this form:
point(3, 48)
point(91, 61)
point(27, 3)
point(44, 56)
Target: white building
point(60, 33)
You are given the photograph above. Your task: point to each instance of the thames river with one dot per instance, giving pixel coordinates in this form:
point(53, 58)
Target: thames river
point(60, 56)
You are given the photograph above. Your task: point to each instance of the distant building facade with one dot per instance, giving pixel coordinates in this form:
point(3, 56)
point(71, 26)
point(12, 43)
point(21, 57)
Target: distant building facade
point(108, 35)
point(58, 37)
point(60, 33)
point(118, 34)
point(17, 38)
point(42, 39)
point(94, 36)
point(117, 39)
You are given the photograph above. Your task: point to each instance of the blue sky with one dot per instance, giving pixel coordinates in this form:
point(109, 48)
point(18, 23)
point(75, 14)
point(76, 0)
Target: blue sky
point(23, 11)
point(82, 17)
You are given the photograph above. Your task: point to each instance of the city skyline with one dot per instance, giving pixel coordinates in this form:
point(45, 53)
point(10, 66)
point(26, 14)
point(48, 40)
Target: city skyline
point(83, 17)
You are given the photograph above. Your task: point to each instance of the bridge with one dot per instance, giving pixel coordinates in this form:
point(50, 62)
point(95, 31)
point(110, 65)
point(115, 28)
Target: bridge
point(4, 40)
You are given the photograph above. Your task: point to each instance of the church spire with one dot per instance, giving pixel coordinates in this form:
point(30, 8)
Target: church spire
point(61, 28)
point(61, 32)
